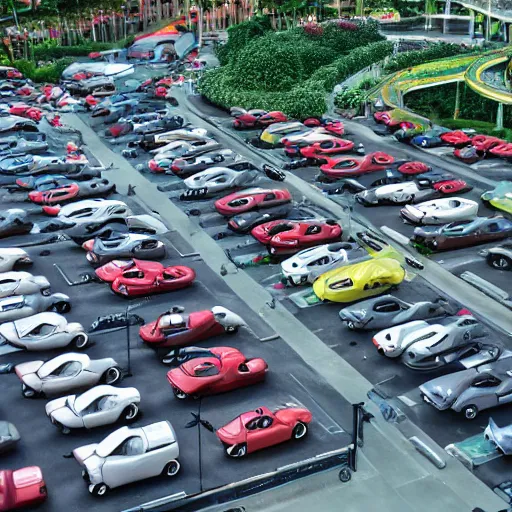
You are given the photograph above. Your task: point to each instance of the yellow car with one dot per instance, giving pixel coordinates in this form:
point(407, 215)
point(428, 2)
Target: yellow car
point(359, 281)
point(275, 132)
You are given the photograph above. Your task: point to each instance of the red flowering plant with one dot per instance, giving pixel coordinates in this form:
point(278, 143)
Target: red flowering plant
point(347, 25)
point(312, 29)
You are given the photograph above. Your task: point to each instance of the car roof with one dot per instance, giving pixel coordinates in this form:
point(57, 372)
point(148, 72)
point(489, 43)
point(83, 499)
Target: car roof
point(86, 398)
point(54, 363)
point(25, 325)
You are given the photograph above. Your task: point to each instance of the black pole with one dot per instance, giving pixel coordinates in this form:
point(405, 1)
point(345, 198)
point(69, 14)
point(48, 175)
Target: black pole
point(128, 350)
point(200, 457)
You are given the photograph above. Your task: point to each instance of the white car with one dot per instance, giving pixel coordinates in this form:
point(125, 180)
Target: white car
point(129, 455)
point(397, 193)
point(44, 331)
point(217, 179)
point(22, 283)
point(179, 135)
point(64, 373)
point(12, 257)
point(305, 266)
point(440, 211)
point(315, 135)
point(98, 210)
point(185, 147)
point(100, 405)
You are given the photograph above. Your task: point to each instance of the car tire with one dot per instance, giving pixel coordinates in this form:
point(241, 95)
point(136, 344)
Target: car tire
point(85, 476)
point(112, 375)
point(231, 329)
point(28, 392)
point(237, 451)
point(299, 431)
point(180, 395)
point(61, 307)
point(470, 412)
point(345, 475)
point(131, 413)
point(64, 430)
point(499, 262)
point(98, 489)
point(351, 326)
point(80, 342)
point(172, 468)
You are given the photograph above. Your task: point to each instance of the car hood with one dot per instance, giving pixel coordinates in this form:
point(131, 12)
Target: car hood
point(58, 403)
point(446, 389)
point(428, 231)
point(84, 453)
point(231, 431)
point(502, 437)
point(8, 331)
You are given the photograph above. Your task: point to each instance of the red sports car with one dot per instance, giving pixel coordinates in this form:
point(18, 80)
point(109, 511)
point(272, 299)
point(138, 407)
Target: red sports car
point(148, 277)
point(113, 269)
point(288, 237)
point(341, 167)
point(486, 142)
point(502, 150)
point(456, 138)
point(481, 146)
point(261, 428)
point(258, 119)
point(452, 187)
point(331, 125)
point(226, 369)
point(172, 329)
point(252, 199)
point(24, 110)
point(411, 168)
point(56, 195)
point(21, 488)
point(317, 150)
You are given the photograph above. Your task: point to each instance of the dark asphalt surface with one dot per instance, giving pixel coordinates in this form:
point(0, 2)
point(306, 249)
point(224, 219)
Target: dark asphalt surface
point(289, 382)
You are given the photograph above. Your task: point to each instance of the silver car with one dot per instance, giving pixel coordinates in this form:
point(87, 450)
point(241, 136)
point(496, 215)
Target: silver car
point(454, 331)
point(499, 257)
point(101, 405)
point(12, 257)
point(22, 283)
point(473, 390)
point(128, 455)
point(65, 373)
point(501, 437)
point(387, 310)
point(14, 308)
point(9, 436)
point(44, 331)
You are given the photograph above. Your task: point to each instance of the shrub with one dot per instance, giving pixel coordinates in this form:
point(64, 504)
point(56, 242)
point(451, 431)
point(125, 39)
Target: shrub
point(349, 98)
point(48, 73)
point(346, 25)
point(313, 30)
point(51, 50)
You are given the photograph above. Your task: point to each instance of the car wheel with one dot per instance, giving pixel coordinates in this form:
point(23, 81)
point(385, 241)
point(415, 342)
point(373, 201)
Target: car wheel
point(300, 430)
point(232, 329)
point(131, 413)
point(98, 489)
point(62, 307)
point(80, 342)
point(112, 375)
point(238, 450)
point(64, 430)
point(351, 326)
point(424, 143)
point(85, 476)
point(28, 392)
point(499, 261)
point(172, 468)
point(470, 412)
point(345, 475)
point(180, 395)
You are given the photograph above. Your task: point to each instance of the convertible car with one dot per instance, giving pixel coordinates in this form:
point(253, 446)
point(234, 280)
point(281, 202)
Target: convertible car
point(341, 167)
point(292, 143)
point(14, 308)
point(23, 110)
point(250, 119)
point(433, 340)
point(149, 277)
point(142, 452)
point(317, 151)
point(226, 369)
point(288, 237)
point(23, 144)
point(261, 428)
point(273, 134)
point(473, 390)
point(499, 198)
point(500, 257)
point(159, 140)
point(503, 150)
point(465, 233)
point(358, 281)
point(251, 199)
point(22, 488)
point(123, 245)
point(97, 187)
point(14, 222)
point(218, 179)
point(387, 310)
point(36, 164)
point(94, 210)
point(305, 266)
point(99, 406)
point(192, 165)
point(246, 222)
point(172, 329)
point(166, 155)
point(22, 283)
point(410, 192)
point(12, 258)
point(64, 373)
point(43, 331)
point(440, 211)
point(9, 436)
point(457, 138)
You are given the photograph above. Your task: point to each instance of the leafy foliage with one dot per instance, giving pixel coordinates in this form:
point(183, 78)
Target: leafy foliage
point(417, 57)
point(41, 74)
point(353, 97)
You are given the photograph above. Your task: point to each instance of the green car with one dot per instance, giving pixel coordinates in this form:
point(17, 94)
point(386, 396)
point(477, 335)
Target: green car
point(500, 197)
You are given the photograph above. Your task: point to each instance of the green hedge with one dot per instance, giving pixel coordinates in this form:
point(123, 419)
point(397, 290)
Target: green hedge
point(43, 74)
point(436, 51)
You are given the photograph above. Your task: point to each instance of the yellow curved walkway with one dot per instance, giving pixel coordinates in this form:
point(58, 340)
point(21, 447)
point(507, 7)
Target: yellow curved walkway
point(461, 68)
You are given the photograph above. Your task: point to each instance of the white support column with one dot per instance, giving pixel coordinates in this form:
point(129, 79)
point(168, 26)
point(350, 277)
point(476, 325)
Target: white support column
point(447, 10)
point(499, 117)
